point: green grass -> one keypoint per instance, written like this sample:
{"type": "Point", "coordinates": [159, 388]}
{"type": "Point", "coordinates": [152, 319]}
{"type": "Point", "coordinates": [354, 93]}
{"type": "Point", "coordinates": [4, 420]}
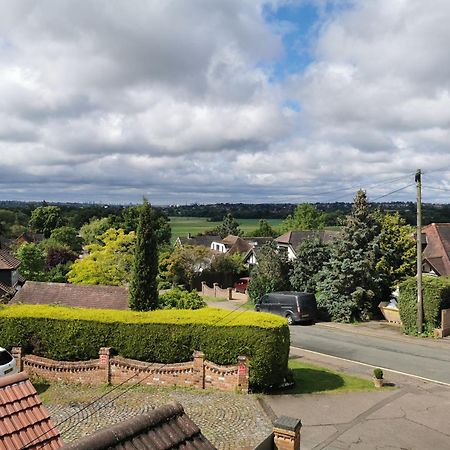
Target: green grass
{"type": "Point", "coordinates": [310, 378]}
{"type": "Point", "coordinates": [181, 226]}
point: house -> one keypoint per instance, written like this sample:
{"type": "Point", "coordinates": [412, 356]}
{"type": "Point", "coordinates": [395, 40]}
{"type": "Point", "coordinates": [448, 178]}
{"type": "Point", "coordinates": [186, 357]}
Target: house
{"type": "Point", "coordinates": [24, 421]}
{"type": "Point", "coordinates": [436, 255]}
{"type": "Point", "coordinates": [201, 240]}
{"type": "Point", "coordinates": [28, 237]}
{"type": "Point", "coordinates": [167, 427]}
{"type": "Point", "coordinates": [75, 295]}
{"type": "Point", "coordinates": [9, 275]}
{"type": "Point", "coordinates": [289, 242]}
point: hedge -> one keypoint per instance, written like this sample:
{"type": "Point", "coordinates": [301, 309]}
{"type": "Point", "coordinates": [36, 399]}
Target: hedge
{"type": "Point", "coordinates": [436, 296]}
{"type": "Point", "coordinates": [167, 336]}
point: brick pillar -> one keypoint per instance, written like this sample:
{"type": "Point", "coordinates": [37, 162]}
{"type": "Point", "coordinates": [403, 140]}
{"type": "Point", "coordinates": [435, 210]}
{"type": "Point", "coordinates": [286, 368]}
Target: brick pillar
{"type": "Point", "coordinates": [18, 353]}
{"type": "Point", "coordinates": [104, 355]}
{"type": "Point", "coordinates": [242, 376]}
{"type": "Point", "coordinates": [199, 370]}
{"type": "Point", "coordinates": [230, 293]}
{"type": "Point", "coordinates": [215, 286]}
{"type": "Point", "coordinates": [286, 433]}
{"type": "Point", "coordinates": [203, 287]}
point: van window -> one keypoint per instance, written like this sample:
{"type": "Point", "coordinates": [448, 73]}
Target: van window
{"type": "Point", "coordinates": [265, 299]}
{"type": "Point", "coordinates": [307, 300]}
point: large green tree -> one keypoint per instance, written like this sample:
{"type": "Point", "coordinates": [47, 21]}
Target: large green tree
{"type": "Point", "coordinates": [144, 285]}
{"type": "Point", "coordinates": [305, 217]}
{"type": "Point", "coordinates": [45, 219]}
{"type": "Point", "coordinates": [350, 281]}
{"type": "Point", "coordinates": [32, 261]}
{"type": "Point", "coordinates": [228, 226]}
{"type": "Point", "coordinates": [90, 232]}
{"type": "Point", "coordinates": [109, 262]}
{"type": "Point", "coordinates": [264, 230]}
{"type": "Point", "coordinates": [67, 237]}
{"type": "Point", "coordinates": [270, 274]}
{"type": "Point", "coordinates": [312, 254]}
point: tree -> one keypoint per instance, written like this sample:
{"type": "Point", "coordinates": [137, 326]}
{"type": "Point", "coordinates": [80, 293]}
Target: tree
{"type": "Point", "coordinates": [398, 251]}
{"type": "Point", "coordinates": [228, 226]}
{"type": "Point", "coordinates": [185, 262]}
{"type": "Point", "coordinates": [45, 219]}
{"type": "Point", "coordinates": [59, 255]}
{"type": "Point", "coordinates": [109, 262]}
{"type": "Point", "coordinates": [225, 263]}
{"type": "Point", "coordinates": [91, 232]}
{"type": "Point", "coordinates": [32, 261]}
{"type": "Point", "coordinates": [305, 217]}
{"type": "Point", "coordinates": [144, 286]}
{"type": "Point", "coordinates": [270, 274]}
{"type": "Point", "coordinates": [349, 281]}
{"type": "Point", "coordinates": [264, 230]}
{"type": "Point", "coordinates": [312, 254]}
{"type": "Point", "coordinates": [66, 236]}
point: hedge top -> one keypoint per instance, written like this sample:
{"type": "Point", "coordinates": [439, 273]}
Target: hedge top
{"type": "Point", "coordinates": [206, 316]}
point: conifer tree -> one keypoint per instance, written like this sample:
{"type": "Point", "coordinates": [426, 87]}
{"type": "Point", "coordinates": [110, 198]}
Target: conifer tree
{"type": "Point", "coordinates": [349, 281]}
{"type": "Point", "coordinates": [143, 286]}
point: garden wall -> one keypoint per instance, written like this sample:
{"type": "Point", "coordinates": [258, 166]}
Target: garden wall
{"type": "Point", "coordinates": [199, 373]}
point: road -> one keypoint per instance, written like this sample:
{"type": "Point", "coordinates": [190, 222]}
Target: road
{"type": "Point", "coordinates": [430, 361]}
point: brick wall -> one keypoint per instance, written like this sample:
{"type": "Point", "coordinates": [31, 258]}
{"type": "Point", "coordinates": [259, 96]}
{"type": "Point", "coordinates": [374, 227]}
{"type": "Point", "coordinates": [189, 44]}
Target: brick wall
{"type": "Point", "coordinates": [198, 373]}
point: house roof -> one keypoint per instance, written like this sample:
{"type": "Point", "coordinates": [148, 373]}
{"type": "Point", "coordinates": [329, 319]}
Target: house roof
{"type": "Point", "coordinates": [5, 289]}
{"type": "Point", "coordinates": [77, 295]}
{"type": "Point", "coordinates": [29, 236]}
{"type": "Point", "coordinates": [7, 261]}
{"type": "Point", "coordinates": [25, 422]}
{"type": "Point", "coordinates": [204, 240]}
{"type": "Point", "coordinates": [295, 238]}
{"type": "Point", "coordinates": [167, 427]}
{"type": "Point", "coordinates": [437, 251]}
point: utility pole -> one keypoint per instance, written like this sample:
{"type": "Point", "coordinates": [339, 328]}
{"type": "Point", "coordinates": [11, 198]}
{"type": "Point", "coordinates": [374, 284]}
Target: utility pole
{"type": "Point", "coordinates": [419, 251]}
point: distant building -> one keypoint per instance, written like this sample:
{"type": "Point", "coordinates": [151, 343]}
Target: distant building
{"type": "Point", "coordinates": [9, 273]}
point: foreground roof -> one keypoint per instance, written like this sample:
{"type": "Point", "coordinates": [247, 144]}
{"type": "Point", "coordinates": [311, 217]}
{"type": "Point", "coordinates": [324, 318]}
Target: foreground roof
{"type": "Point", "coordinates": [24, 421]}
{"type": "Point", "coordinates": [164, 428]}
{"type": "Point", "coordinates": [77, 295]}
{"type": "Point", "coordinates": [7, 261]}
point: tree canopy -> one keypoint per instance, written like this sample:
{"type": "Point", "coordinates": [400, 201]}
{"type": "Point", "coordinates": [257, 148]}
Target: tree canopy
{"type": "Point", "coordinates": [305, 217]}
{"type": "Point", "coordinates": [45, 219]}
{"type": "Point", "coordinates": [228, 226]}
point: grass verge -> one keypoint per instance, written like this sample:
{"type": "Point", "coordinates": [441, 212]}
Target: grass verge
{"type": "Point", "coordinates": [310, 379]}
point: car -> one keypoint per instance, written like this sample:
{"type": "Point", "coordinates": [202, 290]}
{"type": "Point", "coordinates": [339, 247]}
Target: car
{"type": "Point", "coordinates": [7, 363]}
{"type": "Point", "coordinates": [241, 285]}
{"type": "Point", "coordinates": [295, 306]}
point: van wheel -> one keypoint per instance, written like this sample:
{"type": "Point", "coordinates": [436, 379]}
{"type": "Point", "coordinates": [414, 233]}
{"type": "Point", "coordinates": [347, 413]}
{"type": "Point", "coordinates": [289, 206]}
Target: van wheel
{"type": "Point", "coordinates": [290, 320]}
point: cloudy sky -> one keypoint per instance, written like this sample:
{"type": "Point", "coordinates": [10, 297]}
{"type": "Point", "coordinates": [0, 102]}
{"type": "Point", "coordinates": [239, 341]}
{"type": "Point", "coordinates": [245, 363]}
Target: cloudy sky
{"type": "Point", "coordinates": [224, 100]}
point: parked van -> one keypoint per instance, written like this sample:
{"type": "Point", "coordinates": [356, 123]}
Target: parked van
{"type": "Point", "coordinates": [295, 306]}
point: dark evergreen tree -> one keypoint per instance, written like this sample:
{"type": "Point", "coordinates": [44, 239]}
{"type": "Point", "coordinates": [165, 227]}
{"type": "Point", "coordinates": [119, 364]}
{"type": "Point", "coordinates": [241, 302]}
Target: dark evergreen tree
{"type": "Point", "coordinates": [229, 226]}
{"type": "Point", "coordinates": [270, 274]}
{"type": "Point", "coordinates": [312, 254]}
{"type": "Point", "coordinates": [349, 281]}
{"type": "Point", "coordinates": [144, 286]}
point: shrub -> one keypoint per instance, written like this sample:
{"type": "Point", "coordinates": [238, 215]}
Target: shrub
{"type": "Point", "coordinates": [378, 373]}
{"type": "Point", "coordinates": [165, 336]}
{"type": "Point", "coordinates": [436, 296]}
{"type": "Point", "coordinates": [181, 299]}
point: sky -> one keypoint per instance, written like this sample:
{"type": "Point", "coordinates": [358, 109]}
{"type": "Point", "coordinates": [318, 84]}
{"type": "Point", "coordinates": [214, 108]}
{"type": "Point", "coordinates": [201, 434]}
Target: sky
{"type": "Point", "coordinates": [224, 100]}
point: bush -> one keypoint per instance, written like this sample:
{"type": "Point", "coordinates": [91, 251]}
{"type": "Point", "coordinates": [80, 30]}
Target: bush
{"type": "Point", "coordinates": [378, 374]}
{"type": "Point", "coordinates": [165, 336]}
{"type": "Point", "coordinates": [181, 299]}
{"type": "Point", "coordinates": [436, 296]}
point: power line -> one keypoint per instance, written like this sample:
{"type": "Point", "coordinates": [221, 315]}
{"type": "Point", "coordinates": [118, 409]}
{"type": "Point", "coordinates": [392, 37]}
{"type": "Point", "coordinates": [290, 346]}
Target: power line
{"type": "Point", "coordinates": [27, 445]}
{"type": "Point", "coordinates": [435, 188]}
{"type": "Point", "coordinates": [393, 192]}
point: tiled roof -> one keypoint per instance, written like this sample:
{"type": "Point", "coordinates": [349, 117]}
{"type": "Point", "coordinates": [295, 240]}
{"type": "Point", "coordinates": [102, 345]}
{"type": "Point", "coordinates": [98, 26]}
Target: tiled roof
{"type": "Point", "coordinates": [204, 241]}
{"type": "Point", "coordinates": [7, 261]}
{"type": "Point", "coordinates": [164, 428]}
{"type": "Point", "coordinates": [29, 236]}
{"type": "Point", "coordinates": [437, 251]}
{"type": "Point", "coordinates": [295, 238]}
{"type": "Point", "coordinates": [24, 421]}
{"type": "Point", "coordinates": [82, 296]}
{"type": "Point", "coordinates": [5, 289]}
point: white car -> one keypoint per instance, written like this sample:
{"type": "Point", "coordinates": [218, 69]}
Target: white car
{"type": "Point", "coordinates": [7, 363]}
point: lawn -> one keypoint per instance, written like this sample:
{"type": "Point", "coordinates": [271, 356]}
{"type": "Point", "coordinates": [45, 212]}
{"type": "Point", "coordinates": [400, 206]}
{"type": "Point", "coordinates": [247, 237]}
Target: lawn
{"type": "Point", "coordinates": [181, 226]}
{"type": "Point", "coordinates": [310, 379]}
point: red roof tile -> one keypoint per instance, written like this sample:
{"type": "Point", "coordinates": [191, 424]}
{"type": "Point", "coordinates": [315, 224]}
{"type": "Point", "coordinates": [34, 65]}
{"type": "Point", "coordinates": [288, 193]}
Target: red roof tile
{"type": "Point", "coordinates": [25, 422]}
{"type": "Point", "coordinates": [437, 251]}
{"type": "Point", "coordinates": [77, 295]}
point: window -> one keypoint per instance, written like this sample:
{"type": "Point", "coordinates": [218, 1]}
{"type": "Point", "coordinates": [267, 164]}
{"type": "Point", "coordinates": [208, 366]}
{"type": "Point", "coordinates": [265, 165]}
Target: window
{"type": "Point", "coordinates": [5, 357]}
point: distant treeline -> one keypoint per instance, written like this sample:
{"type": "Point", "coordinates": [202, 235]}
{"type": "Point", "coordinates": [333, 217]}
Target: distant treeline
{"type": "Point", "coordinates": [77, 214]}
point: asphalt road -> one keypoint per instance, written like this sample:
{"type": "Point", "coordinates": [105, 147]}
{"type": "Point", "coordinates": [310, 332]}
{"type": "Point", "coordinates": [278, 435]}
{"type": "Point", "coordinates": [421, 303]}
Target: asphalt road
{"type": "Point", "coordinates": [428, 361]}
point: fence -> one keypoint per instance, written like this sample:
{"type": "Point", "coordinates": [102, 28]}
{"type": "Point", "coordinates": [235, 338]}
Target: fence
{"type": "Point", "coordinates": [110, 369]}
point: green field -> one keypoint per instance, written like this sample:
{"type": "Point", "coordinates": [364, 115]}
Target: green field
{"type": "Point", "coordinates": [181, 226]}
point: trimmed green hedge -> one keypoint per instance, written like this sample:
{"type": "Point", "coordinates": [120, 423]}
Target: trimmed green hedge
{"type": "Point", "coordinates": [436, 296]}
{"type": "Point", "coordinates": [166, 336]}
